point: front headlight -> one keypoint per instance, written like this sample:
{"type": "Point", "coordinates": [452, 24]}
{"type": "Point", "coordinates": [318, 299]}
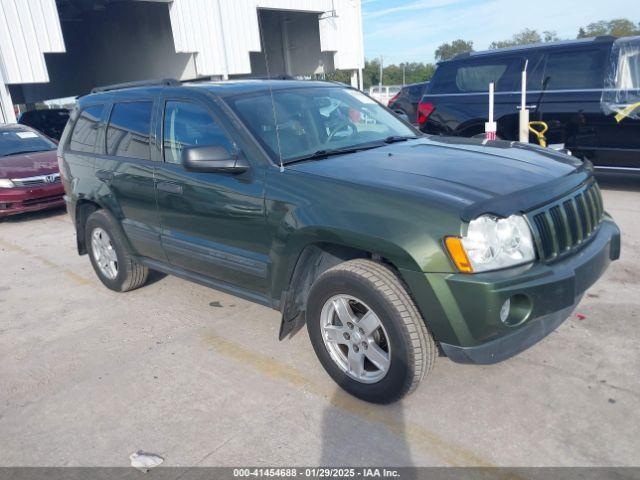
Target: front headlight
{"type": "Point", "coordinates": [493, 243]}
{"type": "Point", "coordinates": [6, 183]}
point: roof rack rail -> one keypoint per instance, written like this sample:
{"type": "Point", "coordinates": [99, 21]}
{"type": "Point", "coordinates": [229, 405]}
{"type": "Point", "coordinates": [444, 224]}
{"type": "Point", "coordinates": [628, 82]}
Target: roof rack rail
{"type": "Point", "coordinates": [167, 82]}
{"type": "Point", "coordinates": [272, 77]}
{"type": "Point", "coordinates": [604, 38]}
{"type": "Point", "coordinates": [462, 55]}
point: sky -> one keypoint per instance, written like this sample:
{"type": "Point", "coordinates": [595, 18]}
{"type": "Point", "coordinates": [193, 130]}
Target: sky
{"type": "Point", "coordinates": [411, 30]}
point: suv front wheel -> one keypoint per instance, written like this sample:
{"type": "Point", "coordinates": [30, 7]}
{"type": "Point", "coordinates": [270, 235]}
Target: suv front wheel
{"type": "Point", "coordinates": [367, 331]}
{"type": "Point", "coordinates": [113, 264]}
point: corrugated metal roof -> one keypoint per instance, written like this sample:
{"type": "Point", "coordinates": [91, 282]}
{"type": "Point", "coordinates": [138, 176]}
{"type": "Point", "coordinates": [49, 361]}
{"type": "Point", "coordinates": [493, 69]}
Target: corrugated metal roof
{"type": "Point", "coordinates": [223, 33]}
{"type": "Point", "coordinates": [28, 30]}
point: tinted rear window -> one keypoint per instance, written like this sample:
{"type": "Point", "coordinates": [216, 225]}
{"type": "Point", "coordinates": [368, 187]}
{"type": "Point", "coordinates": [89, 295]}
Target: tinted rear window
{"type": "Point", "coordinates": [577, 69]}
{"type": "Point", "coordinates": [474, 76]}
{"type": "Point", "coordinates": [128, 130]}
{"type": "Point", "coordinates": [85, 131]}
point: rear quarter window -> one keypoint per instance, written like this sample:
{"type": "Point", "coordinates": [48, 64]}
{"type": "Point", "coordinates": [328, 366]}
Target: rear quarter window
{"type": "Point", "coordinates": [575, 69]}
{"type": "Point", "coordinates": [85, 130]}
{"type": "Point", "coordinates": [474, 76]}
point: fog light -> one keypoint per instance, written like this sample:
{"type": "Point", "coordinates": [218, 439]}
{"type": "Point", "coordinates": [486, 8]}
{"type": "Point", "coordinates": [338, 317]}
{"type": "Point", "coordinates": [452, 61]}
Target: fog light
{"type": "Point", "coordinates": [504, 311]}
{"type": "Point", "coordinates": [516, 310]}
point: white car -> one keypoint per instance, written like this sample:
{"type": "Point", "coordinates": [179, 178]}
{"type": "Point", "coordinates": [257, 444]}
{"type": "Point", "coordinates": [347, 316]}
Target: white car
{"type": "Point", "coordinates": [385, 93]}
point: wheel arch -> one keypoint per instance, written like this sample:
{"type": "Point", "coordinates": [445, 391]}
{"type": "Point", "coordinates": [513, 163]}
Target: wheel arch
{"type": "Point", "coordinates": [314, 258]}
{"type": "Point", "coordinates": [83, 209]}
{"type": "Point", "coordinates": [471, 127]}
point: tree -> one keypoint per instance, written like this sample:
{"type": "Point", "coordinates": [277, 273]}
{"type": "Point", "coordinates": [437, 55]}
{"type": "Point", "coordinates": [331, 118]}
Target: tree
{"type": "Point", "coordinates": [343, 76]}
{"type": "Point", "coordinates": [526, 37]}
{"type": "Point", "coordinates": [450, 50]}
{"type": "Point", "coordinates": [619, 27]}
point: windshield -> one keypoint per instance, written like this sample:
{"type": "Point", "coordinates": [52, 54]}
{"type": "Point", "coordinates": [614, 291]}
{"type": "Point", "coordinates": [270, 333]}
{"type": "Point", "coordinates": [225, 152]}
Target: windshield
{"type": "Point", "coordinates": [21, 140]}
{"type": "Point", "coordinates": [316, 119]}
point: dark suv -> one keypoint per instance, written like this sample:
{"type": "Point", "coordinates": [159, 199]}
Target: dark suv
{"type": "Point", "coordinates": [50, 121]}
{"type": "Point", "coordinates": [405, 102]}
{"type": "Point", "coordinates": [313, 199]}
{"type": "Point", "coordinates": [586, 91]}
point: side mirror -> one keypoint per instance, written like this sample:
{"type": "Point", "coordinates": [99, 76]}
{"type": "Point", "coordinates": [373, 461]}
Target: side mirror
{"type": "Point", "coordinates": [213, 160]}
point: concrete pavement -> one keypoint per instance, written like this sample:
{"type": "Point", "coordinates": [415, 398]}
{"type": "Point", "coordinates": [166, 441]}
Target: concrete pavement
{"type": "Point", "coordinates": [88, 376]}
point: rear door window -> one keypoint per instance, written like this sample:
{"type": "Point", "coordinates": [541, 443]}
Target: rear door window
{"type": "Point", "coordinates": [85, 131]}
{"type": "Point", "coordinates": [128, 130]}
{"type": "Point", "coordinates": [188, 124]}
{"type": "Point", "coordinates": [575, 69]}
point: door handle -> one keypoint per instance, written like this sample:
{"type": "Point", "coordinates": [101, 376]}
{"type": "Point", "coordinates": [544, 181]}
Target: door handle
{"type": "Point", "coordinates": [104, 175]}
{"type": "Point", "coordinates": [170, 187]}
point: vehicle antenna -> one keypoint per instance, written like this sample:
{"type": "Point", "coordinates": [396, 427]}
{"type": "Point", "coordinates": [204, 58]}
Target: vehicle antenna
{"type": "Point", "coordinates": [273, 103]}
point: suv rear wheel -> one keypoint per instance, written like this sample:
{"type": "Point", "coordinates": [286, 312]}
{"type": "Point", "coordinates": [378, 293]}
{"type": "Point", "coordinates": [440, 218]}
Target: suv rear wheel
{"type": "Point", "coordinates": [367, 331]}
{"type": "Point", "coordinates": [113, 264]}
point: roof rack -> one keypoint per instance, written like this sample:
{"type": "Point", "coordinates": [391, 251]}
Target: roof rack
{"type": "Point", "coordinates": [167, 82]}
{"type": "Point", "coordinates": [271, 77]}
{"type": "Point", "coordinates": [605, 38]}
{"type": "Point", "coordinates": [461, 55]}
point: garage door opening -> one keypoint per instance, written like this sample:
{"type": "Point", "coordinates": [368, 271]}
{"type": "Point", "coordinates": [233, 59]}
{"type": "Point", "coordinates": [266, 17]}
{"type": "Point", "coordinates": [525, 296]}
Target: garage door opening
{"type": "Point", "coordinates": [291, 43]}
{"type": "Point", "coordinates": [109, 43]}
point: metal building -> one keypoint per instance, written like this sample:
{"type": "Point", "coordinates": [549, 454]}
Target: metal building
{"type": "Point", "coordinates": [59, 48]}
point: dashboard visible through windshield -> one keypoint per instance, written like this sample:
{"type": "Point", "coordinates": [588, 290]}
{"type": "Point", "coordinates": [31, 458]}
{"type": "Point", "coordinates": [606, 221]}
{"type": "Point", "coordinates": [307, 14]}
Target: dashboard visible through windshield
{"type": "Point", "coordinates": [302, 122]}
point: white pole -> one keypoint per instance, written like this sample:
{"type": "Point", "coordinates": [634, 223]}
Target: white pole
{"type": "Point", "coordinates": [524, 113]}
{"type": "Point", "coordinates": [7, 114]}
{"type": "Point", "coordinates": [491, 102]}
{"type": "Point", "coordinates": [380, 82]}
{"type": "Point", "coordinates": [490, 127]}
{"type": "Point", "coordinates": [523, 94]}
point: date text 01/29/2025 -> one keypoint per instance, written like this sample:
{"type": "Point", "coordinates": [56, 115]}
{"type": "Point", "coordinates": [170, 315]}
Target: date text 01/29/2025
{"type": "Point", "coordinates": [316, 472]}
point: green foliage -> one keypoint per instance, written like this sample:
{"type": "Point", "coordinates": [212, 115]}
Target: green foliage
{"type": "Point", "coordinates": [450, 50]}
{"type": "Point", "coordinates": [525, 37]}
{"type": "Point", "coordinates": [342, 76]}
{"type": "Point", "coordinates": [414, 72]}
{"type": "Point", "coordinates": [619, 27]}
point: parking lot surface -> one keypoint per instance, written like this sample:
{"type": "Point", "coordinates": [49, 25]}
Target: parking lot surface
{"type": "Point", "coordinates": [88, 376]}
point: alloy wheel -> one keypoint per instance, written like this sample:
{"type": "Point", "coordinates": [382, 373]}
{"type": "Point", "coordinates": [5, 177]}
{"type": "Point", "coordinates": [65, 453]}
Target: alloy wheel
{"type": "Point", "coordinates": [355, 338]}
{"type": "Point", "coordinates": [104, 254]}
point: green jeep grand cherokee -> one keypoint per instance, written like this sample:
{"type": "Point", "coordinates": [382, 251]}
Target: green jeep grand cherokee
{"type": "Point", "coordinates": [315, 200]}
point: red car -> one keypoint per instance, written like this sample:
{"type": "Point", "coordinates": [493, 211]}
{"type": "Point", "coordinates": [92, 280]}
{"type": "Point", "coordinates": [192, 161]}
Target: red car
{"type": "Point", "coordinates": [29, 175]}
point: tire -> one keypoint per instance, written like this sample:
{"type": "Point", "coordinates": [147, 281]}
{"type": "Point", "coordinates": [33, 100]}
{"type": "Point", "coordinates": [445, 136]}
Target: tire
{"type": "Point", "coordinates": [409, 347]}
{"type": "Point", "coordinates": [129, 274]}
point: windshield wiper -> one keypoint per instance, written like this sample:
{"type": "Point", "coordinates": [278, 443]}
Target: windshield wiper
{"type": "Point", "coordinates": [329, 152]}
{"type": "Point", "coordinates": [21, 152]}
{"type": "Point", "coordinates": [399, 138]}
{"type": "Point", "coordinates": [324, 153]}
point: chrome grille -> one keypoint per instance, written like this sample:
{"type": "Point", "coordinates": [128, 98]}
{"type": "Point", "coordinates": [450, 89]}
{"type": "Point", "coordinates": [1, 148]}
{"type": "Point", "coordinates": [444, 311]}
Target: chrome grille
{"type": "Point", "coordinates": [562, 226]}
{"type": "Point", "coordinates": [38, 180]}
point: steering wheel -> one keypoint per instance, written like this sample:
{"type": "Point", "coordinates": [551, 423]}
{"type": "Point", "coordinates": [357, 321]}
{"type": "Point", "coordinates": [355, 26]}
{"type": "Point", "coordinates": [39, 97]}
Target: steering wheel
{"type": "Point", "coordinates": [345, 125]}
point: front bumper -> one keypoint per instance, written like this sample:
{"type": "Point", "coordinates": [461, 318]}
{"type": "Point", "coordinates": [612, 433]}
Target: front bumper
{"type": "Point", "coordinates": [466, 320]}
{"type": "Point", "coordinates": [30, 199]}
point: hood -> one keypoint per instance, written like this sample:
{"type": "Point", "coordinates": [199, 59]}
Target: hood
{"type": "Point", "coordinates": [466, 171]}
{"type": "Point", "coordinates": [29, 164]}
